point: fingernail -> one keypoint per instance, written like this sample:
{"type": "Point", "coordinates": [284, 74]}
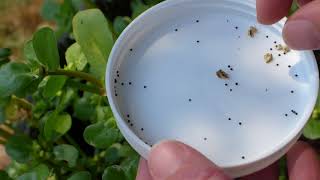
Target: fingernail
{"type": "Point", "coordinates": [166, 158]}
{"type": "Point", "coordinates": [301, 35]}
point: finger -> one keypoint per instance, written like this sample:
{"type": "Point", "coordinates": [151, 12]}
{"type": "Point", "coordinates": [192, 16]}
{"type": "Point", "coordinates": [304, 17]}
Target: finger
{"type": "Point", "coordinates": [303, 163]}
{"type": "Point", "coordinates": [143, 171]}
{"type": "Point", "coordinates": [302, 31]}
{"type": "Point", "coordinates": [271, 11]}
{"type": "Point", "coordinates": [269, 173]}
{"type": "Point", "coordinates": [303, 2]}
{"type": "Point", "coordinates": [172, 160]}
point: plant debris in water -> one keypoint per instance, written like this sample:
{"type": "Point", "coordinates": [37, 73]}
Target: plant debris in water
{"type": "Point", "coordinates": [222, 75]}
{"type": "Point", "coordinates": [252, 31]}
{"type": "Point", "coordinates": [268, 58]}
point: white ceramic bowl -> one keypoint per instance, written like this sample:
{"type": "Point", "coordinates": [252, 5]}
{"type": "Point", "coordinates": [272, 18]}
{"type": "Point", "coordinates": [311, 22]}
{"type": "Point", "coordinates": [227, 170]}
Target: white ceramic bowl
{"type": "Point", "coordinates": [162, 84]}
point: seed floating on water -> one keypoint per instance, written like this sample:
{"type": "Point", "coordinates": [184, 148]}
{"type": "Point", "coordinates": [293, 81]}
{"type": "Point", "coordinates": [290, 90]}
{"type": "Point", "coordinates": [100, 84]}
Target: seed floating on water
{"type": "Point", "coordinates": [252, 31]}
{"type": "Point", "coordinates": [279, 47]}
{"type": "Point", "coordinates": [222, 75]}
{"type": "Point", "coordinates": [268, 58]}
{"type": "Point", "coordinates": [286, 49]}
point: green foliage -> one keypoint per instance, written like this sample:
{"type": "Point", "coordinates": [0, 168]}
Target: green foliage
{"type": "Point", "coordinates": [294, 7]}
{"type": "Point", "coordinates": [67, 153]}
{"type": "Point", "coordinates": [46, 50]}
{"type": "Point", "coordinates": [138, 7]}
{"type": "Point", "coordinates": [75, 57]}
{"type": "Point", "coordinates": [95, 46]}
{"type": "Point", "coordinates": [114, 172]}
{"type": "Point", "coordinates": [19, 148]}
{"type": "Point", "coordinates": [4, 55]}
{"type": "Point", "coordinates": [4, 175]}
{"type": "Point", "coordinates": [15, 79]}
{"type": "Point", "coordinates": [39, 172]}
{"type": "Point", "coordinates": [56, 125]}
{"type": "Point", "coordinates": [120, 23]}
{"type": "Point", "coordinates": [83, 175]}
{"type": "Point", "coordinates": [102, 134]}
{"type": "Point", "coordinates": [312, 129]}
{"type": "Point", "coordinates": [53, 85]}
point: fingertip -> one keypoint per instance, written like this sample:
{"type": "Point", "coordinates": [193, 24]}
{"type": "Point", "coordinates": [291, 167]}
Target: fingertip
{"type": "Point", "coordinates": [303, 162]}
{"type": "Point", "coordinates": [143, 171]}
{"type": "Point", "coordinates": [271, 11]}
{"type": "Point", "coordinates": [175, 160]}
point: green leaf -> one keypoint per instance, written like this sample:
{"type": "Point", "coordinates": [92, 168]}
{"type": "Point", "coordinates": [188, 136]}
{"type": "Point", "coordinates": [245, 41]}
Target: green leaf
{"type": "Point", "coordinates": [113, 172]}
{"type": "Point", "coordinates": [14, 79]}
{"type": "Point", "coordinates": [45, 46]}
{"type": "Point", "coordinates": [19, 148]}
{"type": "Point", "coordinates": [40, 172]}
{"type": "Point", "coordinates": [56, 125]}
{"type": "Point", "coordinates": [102, 135]}
{"type": "Point", "coordinates": [66, 153]}
{"type": "Point", "coordinates": [83, 109]}
{"type": "Point", "coordinates": [53, 85]}
{"type": "Point", "coordinates": [120, 23]}
{"type": "Point", "coordinates": [5, 53]}
{"type": "Point", "coordinates": [30, 55]}
{"type": "Point", "coordinates": [66, 99]}
{"type": "Point", "coordinates": [3, 105]}
{"type": "Point", "coordinates": [92, 33]}
{"type": "Point", "coordinates": [130, 167]}
{"type": "Point", "coordinates": [50, 9]}
{"type": "Point", "coordinates": [312, 129]}
{"type": "Point", "coordinates": [82, 175]}
{"type": "Point", "coordinates": [138, 7]}
{"type": "Point", "coordinates": [75, 57]}
{"type": "Point", "coordinates": [4, 175]}
{"type": "Point", "coordinates": [294, 7]}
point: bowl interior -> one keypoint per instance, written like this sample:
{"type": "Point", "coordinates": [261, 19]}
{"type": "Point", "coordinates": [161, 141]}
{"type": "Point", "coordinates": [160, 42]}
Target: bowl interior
{"type": "Point", "coordinates": [163, 81]}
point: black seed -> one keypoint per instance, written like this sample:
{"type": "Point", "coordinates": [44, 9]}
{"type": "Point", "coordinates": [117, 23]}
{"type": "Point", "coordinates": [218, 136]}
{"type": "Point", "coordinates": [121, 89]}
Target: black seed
{"type": "Point", "coordinates": [270, 49]}
{"type": "Point", "coordinates": [117, 72]}
{"type": "Point", "coordinates": [115, 81]}
{"type": "Point", "coordinates": [240, 123]}
{"type": "Point", "coordinates": [226, 84]}
{"type": "Point", "coordinates": [289, 66]}
{"type": "Point", "coordinates": [239, 37]}
{"type": "Point", "coordinates": [116, 94]}
{"type": "Point", "coordinates": [266, 90]}
{"type": "Point", "coordinates": [145, 87]}
{"type": "Point", "coordinates": [198, 41]}
{"type": "Point", "coordinates": [131, 49]}
{"type": "Point", "coordinates": [229, 66]}
{"type": "Point", "coordinates": [142, 129]}
{"type": "Point", "coordinates": [294, 112]}
{"type": "Point", "coordinates": [277, 64]}
{"type": "Point", "coordinates": [128, 115]}
{"type": "Point", "coordinates": [286, 115]}
{"type": "Point", "coordinates": [236, 27]}
{"type": "Point", "coordinates": [176, 30]}
{"type": "Point", "coordinates": [296, 75]}
{"type": "Point", "coordinates": [131, 124]}
{"type": "Point", "coordinates": [275, 42]}
{"type": "Point", "coordinates": [118, 75]}
{"type": "Point", "coordinates": [122, 84]}
{"type": "Point", "coordinates": [279, 54]}
{"type": "Point", "coordinates": [292, 92]}
{"type": "Point", "coordinates": [205, 139]}
{"type": "Point", "coordinates": [129, 121]}
{"type": "Point", "coordinates": [231, 69]}
{"type": "Point", "coordinates": [227, 20]}
{"type": "Point", "coordinates": [190, 100]}
{"type": "Point", "coordinates": [284, 53]}
{"type": "Point", "coordinates": [243, 157]}
{"type": "Point", "coordinates": [130, 83]}
{"type": "Point", "coordinates": [197, 21]}
{"type": "Point", "coordinates": [230, 90]}
{"type": "Point", "coordinates": [229, 119]}
{"type": "Point", "coordinates": [267, 36]}
{"type": "Point", "coordinates": [237, 84]}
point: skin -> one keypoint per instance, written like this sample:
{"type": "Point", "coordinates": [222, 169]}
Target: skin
{"type": "Point", "coordinates": [172, 160]}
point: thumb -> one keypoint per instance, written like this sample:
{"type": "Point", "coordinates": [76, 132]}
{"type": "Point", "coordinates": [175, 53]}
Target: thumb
{"type": "Point", "coordinates": [302, 31]}
{"type": "Point", "coordinates": [172, 160]}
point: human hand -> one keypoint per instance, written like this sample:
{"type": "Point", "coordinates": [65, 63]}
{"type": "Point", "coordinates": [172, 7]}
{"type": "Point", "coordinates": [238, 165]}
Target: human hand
{"type": "Point", "coordinates": [302, 30]}
{"type": "Point", "coordinates": [172, 160]}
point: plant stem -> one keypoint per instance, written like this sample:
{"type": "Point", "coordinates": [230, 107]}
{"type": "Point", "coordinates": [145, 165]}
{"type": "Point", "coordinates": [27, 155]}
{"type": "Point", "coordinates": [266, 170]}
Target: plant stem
{"type": "Point", "coordinates": [74, 143]}
{"type": "Point", "coordinates": [77, 74]}
{"type": "Point", "coordinates": [22, 102]}
{"type": "Point", "coordinates": [85, 87]}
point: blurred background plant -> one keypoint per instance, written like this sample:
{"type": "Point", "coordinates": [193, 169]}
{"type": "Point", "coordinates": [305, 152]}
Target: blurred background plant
{"type": "Point", "coordinates": [55, 121]}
